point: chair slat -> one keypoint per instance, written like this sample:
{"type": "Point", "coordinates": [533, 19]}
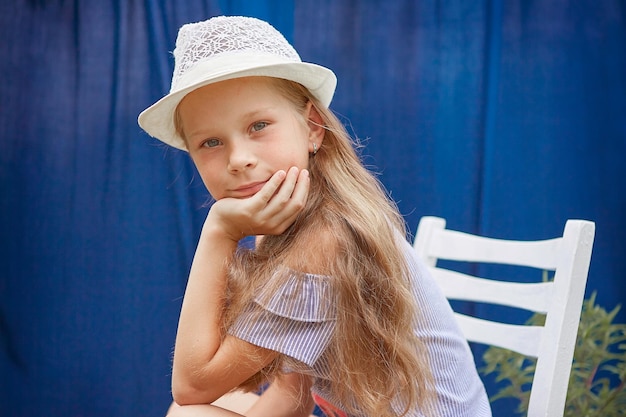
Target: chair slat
{"type": "Point", "coordinates": [529, 296]}
{"type": "Point", "coordinates": [454, 245]}
{"type": "Point", "coordinates": [518, 338]}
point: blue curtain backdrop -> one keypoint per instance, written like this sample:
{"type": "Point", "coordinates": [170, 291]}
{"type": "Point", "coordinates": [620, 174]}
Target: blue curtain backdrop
{"type": "Point", "coordinates": [507, 118]}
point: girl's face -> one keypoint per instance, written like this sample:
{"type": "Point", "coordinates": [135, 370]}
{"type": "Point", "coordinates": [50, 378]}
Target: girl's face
{"type": "Point", "coordinates": [240, 132]}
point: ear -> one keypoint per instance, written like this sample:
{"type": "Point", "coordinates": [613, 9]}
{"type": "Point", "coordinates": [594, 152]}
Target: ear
{"type": "Point", "coordinates": [316, 125]}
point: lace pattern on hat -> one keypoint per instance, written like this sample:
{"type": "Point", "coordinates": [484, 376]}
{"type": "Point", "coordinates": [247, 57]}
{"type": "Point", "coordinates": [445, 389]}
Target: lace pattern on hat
{"type": "Point", "coordinates": [227, 35]}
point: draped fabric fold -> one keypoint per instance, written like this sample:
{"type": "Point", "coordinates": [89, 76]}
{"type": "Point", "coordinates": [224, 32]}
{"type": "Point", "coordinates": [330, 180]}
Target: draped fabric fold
{"type": "Point", "coordinates": [507, 118]}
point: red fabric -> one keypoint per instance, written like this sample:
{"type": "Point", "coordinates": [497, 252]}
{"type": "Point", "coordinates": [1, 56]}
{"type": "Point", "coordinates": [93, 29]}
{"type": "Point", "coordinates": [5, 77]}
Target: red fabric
{"type": "Point", "coordinates": [328, 409]}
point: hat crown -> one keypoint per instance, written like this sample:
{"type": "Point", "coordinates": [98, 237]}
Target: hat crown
{"type": "Point", "coordinates": [226, 35]}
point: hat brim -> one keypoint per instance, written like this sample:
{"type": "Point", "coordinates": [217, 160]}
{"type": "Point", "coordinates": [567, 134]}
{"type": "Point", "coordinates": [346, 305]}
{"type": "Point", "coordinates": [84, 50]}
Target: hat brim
{"type": "Point", "coordinates": [158, 119]}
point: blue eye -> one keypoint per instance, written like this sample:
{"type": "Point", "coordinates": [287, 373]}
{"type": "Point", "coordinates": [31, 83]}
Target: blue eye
{"type": "Point", "coordinates": [259, 126]}
{"type": "Point", "coordinates": [211, 143]}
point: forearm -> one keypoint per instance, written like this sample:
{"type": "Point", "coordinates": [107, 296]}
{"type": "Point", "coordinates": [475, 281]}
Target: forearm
{"type": "Point", "coordinates": [199, 329]}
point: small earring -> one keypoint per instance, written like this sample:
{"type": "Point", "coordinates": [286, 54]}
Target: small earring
{"type": "Point", "coordinates": [314, 148]}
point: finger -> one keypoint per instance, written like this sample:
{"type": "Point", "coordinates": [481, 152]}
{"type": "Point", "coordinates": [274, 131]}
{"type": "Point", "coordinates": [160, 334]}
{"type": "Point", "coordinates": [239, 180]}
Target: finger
{"type": "Point", "coordinates": [288, 185]}
{"type": "Point", "coordinates": [282, 197]}
{"type": "Point", "coordinates": [267, 192]}
{"type": "Point", "coordinates": [284, 208]}
{"type": "Point", "coordinates": [301, 190]}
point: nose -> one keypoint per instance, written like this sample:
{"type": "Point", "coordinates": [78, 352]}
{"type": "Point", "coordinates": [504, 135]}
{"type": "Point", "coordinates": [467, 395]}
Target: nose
{"type": "Point", "coordinates": [241, 156]}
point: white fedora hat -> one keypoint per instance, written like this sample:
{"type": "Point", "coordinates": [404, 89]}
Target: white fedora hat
{"type": "Point", "coordinates": [227, 47]}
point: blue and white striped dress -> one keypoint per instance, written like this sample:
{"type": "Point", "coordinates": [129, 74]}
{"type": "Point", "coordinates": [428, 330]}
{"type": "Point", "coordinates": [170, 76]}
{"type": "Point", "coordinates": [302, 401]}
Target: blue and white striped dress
{"type": "Point", "coordinates": [299, 321]}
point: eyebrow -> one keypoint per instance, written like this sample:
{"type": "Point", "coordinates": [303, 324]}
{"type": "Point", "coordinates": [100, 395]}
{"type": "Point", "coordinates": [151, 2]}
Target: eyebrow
{"type": "Point", "coordinates": [254, 113]}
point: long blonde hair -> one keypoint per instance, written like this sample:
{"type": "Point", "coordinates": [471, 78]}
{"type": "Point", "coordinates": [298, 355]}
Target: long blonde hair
{"type": "Point", "coordinates": [349, 230]}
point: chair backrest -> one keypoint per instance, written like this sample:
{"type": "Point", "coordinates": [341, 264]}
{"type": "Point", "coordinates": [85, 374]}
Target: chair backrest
{"type": "Point", "coordinates": [560, 299]}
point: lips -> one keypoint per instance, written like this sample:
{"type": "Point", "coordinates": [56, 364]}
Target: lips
{"type": "Point", "coordinates": [248, 190]}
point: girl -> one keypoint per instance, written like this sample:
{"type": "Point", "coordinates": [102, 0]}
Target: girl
{"type": "Point", "coordinates": [332, 305]}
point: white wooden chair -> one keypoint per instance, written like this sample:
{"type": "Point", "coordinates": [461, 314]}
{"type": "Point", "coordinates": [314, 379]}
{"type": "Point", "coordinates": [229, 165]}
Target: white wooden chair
{"type": "Point", "coordinates": [561, 299]}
